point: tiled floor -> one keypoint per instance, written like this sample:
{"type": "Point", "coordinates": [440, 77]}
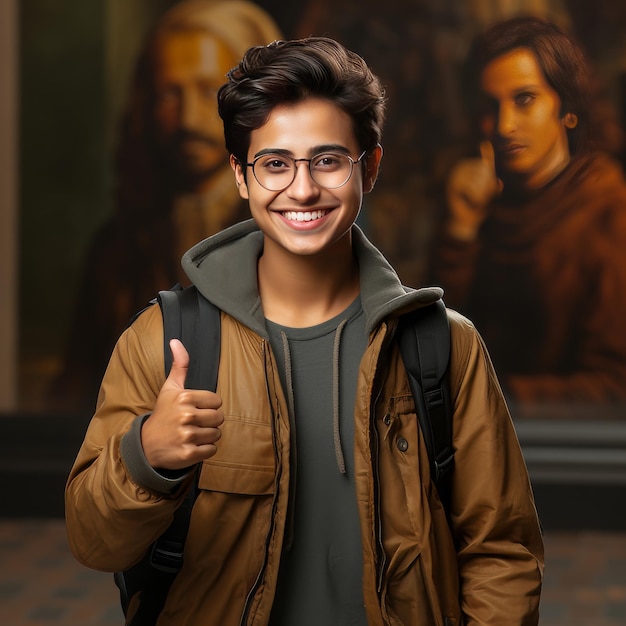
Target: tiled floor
{"type": "Point", "coordinates": [41, 584]}
{"type": "Point", "coordinates": [585, 580]}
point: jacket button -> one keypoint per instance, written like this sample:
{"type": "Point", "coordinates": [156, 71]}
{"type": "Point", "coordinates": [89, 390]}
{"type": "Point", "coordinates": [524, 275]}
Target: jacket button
{"type": "Point", "coordinates": [403, 444]}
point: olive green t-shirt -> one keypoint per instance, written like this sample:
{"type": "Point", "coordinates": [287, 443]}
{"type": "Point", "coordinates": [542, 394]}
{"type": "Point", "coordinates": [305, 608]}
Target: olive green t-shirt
{"type": "Point", "coordinates": [320, 579]}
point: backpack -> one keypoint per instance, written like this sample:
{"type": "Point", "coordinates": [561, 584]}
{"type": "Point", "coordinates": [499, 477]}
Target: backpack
{"type": "Point", "coordinates": [424, 340]}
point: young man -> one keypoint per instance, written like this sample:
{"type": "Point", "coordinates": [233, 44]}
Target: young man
{"type": "Point", "coordinates": [316, 504]}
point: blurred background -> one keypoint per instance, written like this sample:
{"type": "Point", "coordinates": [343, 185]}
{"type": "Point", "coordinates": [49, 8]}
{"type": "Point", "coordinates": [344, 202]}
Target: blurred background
{"type": "Point", "coordinates": [66, 74]}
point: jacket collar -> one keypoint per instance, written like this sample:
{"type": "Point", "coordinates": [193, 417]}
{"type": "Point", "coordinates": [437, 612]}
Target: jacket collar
{"type": "Point", "coordinates": [224, 269]}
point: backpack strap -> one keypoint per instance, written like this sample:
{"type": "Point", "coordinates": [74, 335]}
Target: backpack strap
{"type": "Point", "coordinates": [424, 340]}
{"type": "Point", "coordinates": [190, 317]}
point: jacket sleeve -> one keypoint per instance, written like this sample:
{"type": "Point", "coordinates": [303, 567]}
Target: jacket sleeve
{"type": "Point", "coordinates": [493, 515]}
{"type": "Point", "coordinates": [116, 505]}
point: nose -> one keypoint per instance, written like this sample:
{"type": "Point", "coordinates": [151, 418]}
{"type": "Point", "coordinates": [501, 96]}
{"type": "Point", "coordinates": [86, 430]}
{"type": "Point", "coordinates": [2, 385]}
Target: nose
{"type": "Point", "coordinates": [303, 187]}
{"type": "Point", "coordinates": [506, 122]}
{"type": "Point", "coordinates": [189, 109]}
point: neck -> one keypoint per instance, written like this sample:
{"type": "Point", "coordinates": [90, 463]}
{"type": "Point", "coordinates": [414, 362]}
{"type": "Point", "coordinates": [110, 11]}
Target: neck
{"type": "Point", "coordinates": [545, 176]}
{"type": "Point", "coordinates": [301, 291]}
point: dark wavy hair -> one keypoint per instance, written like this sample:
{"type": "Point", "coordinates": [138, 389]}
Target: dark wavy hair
{"type": "Point", "coordinates": [290, 71]}
{"type": "Point", "coordinates": [561, 60]}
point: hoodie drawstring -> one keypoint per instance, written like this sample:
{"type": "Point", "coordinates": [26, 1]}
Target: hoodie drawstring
{"type": "Point", "coordinates": [289, 532]}
{"type": "Point", "coordinates": [341, 463]}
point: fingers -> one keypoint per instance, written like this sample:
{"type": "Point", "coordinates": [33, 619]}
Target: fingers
{"type": "Point", "coordinates": [204, 436]}
{"type": "Point", "coordinates": [210, 417]}
{"type": "Point", "coordinates": [201, 399]}
{"type": "Point", "coordinates": [181, 434]}
{"type": "Point", "coordinates": [470, 186]}
{"type": "Point", "coordinates": [197, 440]}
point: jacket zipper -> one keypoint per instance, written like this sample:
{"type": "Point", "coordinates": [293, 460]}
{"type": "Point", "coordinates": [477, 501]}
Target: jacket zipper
{"type": "Point", "coordinates": [382, 559]}
{"type": "Point", "coordinates": [270, 532]}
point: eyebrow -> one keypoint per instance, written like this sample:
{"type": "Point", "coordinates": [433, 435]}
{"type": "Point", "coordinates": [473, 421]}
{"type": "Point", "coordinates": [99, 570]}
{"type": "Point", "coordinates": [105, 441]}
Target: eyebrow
{"type": "Point", "coordinates": [529, 87]}
{"type": "Point", "coordinates": [516, 91]}
{"type": "Point", "coordinates": [329, 147]}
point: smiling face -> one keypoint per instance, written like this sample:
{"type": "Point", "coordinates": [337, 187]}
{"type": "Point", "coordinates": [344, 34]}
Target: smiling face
{"type": "Point", "coordinates": [306, 218]}
{"type": "Point", "coordinates": [522, 118]}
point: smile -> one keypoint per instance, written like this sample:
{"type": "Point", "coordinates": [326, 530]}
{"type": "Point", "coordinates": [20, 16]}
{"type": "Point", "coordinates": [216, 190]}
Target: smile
{"type": "Point", "coordinates": [304, 216]}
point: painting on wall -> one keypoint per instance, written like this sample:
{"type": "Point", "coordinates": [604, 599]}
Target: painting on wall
{"type": "Point", "coordinates": [73, 122]}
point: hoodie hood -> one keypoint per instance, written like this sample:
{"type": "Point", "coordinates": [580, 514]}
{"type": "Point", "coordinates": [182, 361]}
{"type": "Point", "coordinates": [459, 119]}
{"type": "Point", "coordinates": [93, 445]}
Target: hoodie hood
{"type": "Point", "coordinates": [224, 269]}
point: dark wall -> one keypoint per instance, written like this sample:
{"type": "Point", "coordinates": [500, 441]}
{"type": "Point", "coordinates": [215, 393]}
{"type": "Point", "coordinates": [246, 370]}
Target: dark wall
{"type": "Point", "coordinates": [64, 190]}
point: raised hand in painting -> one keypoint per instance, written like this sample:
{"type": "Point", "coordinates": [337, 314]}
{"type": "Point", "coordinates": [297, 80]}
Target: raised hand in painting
{"type": "Point", "coordinates": [471, 186]}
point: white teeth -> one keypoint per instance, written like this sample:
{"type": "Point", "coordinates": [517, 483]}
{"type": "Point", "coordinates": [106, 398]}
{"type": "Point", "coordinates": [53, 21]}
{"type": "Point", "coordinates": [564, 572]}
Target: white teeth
{"type": "Point", "coordinates": [304, 216]}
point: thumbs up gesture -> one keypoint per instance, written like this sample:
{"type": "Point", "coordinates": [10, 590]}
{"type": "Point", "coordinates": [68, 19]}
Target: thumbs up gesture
{"type": "Point", "coordinates": [184, 426]}
{"type": "Point", "coordinates": [472, 185]}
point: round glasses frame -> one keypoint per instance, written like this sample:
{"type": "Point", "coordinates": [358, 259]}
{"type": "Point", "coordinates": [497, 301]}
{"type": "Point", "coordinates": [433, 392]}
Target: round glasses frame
{"type": "Point", "coordinates": [312, 172]}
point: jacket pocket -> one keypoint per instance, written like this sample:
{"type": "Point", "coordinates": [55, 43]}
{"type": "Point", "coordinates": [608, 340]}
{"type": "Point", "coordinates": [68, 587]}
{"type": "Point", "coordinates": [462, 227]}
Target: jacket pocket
{"type": "Point", "coordinates": [244, 462]}
{"type": "Point", "coordinates": [243, 479]}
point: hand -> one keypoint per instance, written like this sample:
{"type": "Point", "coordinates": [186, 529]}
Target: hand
{"type": "Point", "coordinates": [472, 185]}
{"type": "Point", "coordinates": [184, 427]}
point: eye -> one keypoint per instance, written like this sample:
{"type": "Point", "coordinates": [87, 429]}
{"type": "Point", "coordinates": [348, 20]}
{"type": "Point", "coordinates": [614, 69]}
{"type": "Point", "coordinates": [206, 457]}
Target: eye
{"type": "Point", "coordinates": [328, 161]}
{"type": "Point", "coordinates": [524, 99]}
{"type": "Point", "coordinates": [274, 163]}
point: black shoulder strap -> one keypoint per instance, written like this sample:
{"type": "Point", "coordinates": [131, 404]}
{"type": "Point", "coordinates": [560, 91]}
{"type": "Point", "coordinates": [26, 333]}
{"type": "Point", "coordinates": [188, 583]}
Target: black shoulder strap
{"type": "Point", "coordinates": [190, 317]}
{"type": "Point", "coordinates": [424, 339]}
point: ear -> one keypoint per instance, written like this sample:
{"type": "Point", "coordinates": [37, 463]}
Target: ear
{"type": "Point", "coordinates": [372, 164]}
{"type": "Point", "coordinates": [240, 180]}
{"type": "Point", "coordinates": [570, 120]}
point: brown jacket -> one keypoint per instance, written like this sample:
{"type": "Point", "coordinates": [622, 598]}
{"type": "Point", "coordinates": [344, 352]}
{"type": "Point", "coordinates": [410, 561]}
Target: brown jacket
{"type": "Point", "coordinates": [416, 572]}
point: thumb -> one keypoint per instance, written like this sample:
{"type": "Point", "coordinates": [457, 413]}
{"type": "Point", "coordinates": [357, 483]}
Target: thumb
{"type": "Point", "coordinates": [180, 363]}
{"type": "Point", "coordinates": [488, 155]}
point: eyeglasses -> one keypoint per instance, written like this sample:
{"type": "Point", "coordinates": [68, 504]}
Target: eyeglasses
{"type": "Point", "coordinates": [275, 172]}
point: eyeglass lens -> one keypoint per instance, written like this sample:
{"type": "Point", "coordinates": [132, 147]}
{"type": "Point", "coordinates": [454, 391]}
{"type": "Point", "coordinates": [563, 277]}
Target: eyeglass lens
{"type": "Point", "coordinates": [276, 172]}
